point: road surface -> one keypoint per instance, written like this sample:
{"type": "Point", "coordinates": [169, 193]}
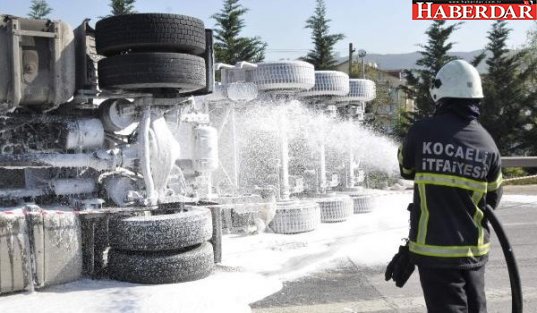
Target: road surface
{"type": "Point", "coordinates": [353, 288]}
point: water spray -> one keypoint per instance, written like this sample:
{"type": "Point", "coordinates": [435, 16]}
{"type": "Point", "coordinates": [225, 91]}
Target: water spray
{"type": "Point", "coordinates": [284, 165]}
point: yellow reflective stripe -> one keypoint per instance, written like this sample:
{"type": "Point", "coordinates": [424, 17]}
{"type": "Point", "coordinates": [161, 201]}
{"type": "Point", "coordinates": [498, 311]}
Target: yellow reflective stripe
{"type": "Point", "coordinates": [492, 186]}
{"type": "Point", "coordinates": [451, 181]}
{"type": "Point", "coordinates": [406, 171]}
{"type": "Point", "coordinates": [424, 215]}
{"type": "Point", "coordinates": [449, 251]}
{"type": "Point", "coordinates": [478, 217]}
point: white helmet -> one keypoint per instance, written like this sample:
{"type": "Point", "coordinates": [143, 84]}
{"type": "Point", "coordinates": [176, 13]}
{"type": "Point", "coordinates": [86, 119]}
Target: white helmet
{"type": "Point", "coordinates": [457, 79]}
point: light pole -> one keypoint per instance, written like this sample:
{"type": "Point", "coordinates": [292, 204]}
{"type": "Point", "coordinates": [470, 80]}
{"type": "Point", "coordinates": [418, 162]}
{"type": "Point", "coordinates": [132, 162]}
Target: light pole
{"type": "Point", "coordinates": [351, 51]}
{"type": "Point", "coordinates": [361, 54]}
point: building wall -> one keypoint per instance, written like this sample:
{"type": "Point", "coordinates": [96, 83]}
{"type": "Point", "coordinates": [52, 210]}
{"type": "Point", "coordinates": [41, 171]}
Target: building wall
{"type": "Point", "coordinates": [386, 115]}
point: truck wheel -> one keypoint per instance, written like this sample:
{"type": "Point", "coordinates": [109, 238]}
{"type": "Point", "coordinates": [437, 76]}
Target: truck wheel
{"type": "Point", "coordinates": [112, 119]}
{"type": "Point", "coordinates": [150, 32]}
{"type": "Point", "coordinates": [296, 217]}
{"type": "Point", "coordinates": [284, 76]}
{"type": "Point", "coordinates": [161, 267]}
{"type": "Point", "coordinates": [161, 232]}
{"type": "Point", "coordinates": [153, 71]}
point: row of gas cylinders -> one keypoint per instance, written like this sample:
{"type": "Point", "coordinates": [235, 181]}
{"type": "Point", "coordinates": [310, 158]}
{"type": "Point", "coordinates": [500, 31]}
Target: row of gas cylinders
{"type": "Point", "coordinates": [292, 77]}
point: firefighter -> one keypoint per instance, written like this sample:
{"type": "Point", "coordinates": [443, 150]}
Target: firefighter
{"type": "Point", "coordinates": [456, 169]}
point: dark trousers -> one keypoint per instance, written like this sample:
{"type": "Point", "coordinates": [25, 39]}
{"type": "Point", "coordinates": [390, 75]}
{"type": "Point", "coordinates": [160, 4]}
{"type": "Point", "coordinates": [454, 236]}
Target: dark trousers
{"type": "Point", "coordinates": [454, 291]}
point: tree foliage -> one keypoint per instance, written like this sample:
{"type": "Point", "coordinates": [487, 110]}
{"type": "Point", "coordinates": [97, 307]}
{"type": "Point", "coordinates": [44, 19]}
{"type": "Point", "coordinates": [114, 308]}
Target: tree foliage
{"type": "Point", "coordinates": [379, 107]}
{"type": "Point", "coordinates": [530, 56]}
{"type": "Point", "coordinates": [120, 7]}
{"type": "Point", "coordinates": [322, 54]}
{"type": "Point", "coordinates": [508, 108]}
{"type": "Point", "coordinates": [433, 56]}
{"type": "Point", "coordinates": [230, 47]}
{"type": "Point", "coordinates": [39, 9]}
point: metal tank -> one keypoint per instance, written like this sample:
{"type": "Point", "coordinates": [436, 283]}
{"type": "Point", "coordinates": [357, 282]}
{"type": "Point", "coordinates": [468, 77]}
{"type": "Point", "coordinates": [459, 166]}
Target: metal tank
{"type": "Point", "coordinates": [37, 63]}
{"type": "Point", "coordinates": [205, 149]}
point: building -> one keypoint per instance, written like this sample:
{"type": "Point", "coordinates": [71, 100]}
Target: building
{"type": "Point", "coordinates": [391, 101]}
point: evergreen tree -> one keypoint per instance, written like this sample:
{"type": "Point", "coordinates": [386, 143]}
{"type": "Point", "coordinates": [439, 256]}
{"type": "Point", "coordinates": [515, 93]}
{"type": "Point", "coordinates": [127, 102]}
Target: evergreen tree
{"type": "Point", "coordinates": [120, 7]}
{"type": "Point", "coordinates": [322, 54]}
{"type": "Point", "coordinates": [531, 54]}
{"type": "Point", "coordinates": [532, 41]}
{"type": "Point", "coordinates": [39, 9]}
{"type": "Point", "coordinates": [378, 107]}
{"type": "Point", "coordinates": [530, 59]}
{"type": "Point", "coordinates": [433, 57]}
{"type": "Point", "coordinates": [229, 46]}
{"type": "Point", "coordinates": [509, 105]}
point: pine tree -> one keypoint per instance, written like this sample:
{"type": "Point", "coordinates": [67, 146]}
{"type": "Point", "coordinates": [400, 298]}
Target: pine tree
{"type": "Point", "coordinates": [530, 61]}
{"type": "Point", "coordinates": [382, 100]}
{"type": "Point", "coordinates": [229, 46]}
{"type": "Point", "coordinates": [379, 106]}
{"type": "Point", "coordinates": [39, 9]}
{"type": "Point", "coordinates": [531, 54]}
{"type": "Point", "coordinates": [433, 57]}
{"type": "Point", "coordinates": [322, 54]}
{"type": "Point", "coordinates": [120, 7]}
{"type": "Point", "coordinates": [509, 105]}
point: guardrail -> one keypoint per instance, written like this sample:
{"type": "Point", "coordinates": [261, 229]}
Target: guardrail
{"type": "Point", "coordinates": [519, 161]}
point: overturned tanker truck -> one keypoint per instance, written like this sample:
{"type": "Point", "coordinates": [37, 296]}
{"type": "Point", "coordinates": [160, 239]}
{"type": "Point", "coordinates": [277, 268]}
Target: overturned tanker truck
{"type": "Point", "coordinates": [104, 151]}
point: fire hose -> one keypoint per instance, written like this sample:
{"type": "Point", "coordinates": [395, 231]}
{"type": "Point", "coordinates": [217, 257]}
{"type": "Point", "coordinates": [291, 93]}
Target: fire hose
{"type": "Point", "coordinates": [512, 268]}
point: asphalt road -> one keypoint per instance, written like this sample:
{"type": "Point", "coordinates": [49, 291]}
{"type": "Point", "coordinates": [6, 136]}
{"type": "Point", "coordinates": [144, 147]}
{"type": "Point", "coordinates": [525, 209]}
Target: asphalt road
{"type": "Point", "coordinates": [351, 288]}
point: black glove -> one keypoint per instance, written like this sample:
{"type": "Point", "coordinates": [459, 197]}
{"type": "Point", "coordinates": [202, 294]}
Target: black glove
{"type": "Point", "coordinates": [400, 268]}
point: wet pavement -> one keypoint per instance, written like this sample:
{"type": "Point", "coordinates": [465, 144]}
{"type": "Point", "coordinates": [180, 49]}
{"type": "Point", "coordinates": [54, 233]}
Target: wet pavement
{"type": "Point", "coordinates": [349, 287]}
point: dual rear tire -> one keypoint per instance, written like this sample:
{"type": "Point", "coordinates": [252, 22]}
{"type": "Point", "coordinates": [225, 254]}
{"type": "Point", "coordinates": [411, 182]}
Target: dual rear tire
{"type": "Point", "coordinates": [161, 267]}
{"type": "Point", "coordinates": [149, 71]}
{"type": "Point", "coordinates": [150, 52]}
{"type": "Point", "coordinates": [160, 249]}
{"type": "Point", "coordinates": [148, 32]}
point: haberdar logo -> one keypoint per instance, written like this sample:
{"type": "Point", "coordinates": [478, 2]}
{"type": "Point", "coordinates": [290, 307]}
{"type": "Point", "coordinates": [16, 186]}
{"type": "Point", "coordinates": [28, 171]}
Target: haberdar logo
{"type": "Point", "coordinates": [474, 10]}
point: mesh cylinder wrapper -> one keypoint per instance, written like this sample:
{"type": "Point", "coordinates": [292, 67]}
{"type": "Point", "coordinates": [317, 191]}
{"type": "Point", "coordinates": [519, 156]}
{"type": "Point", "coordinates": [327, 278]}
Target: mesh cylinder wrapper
{"type": "Point", "coordinates": [296, 217]}
{"type": "Point", "coordinates": [360, 90]}
{"type": "Point", "coordinates": [335, 209]}
{"type": "Point", "coordinates": [288, 76]}
{"type": "Point", "coordinates": [363, 203]}
{"type": "Point", "coordinates": [329, 83]}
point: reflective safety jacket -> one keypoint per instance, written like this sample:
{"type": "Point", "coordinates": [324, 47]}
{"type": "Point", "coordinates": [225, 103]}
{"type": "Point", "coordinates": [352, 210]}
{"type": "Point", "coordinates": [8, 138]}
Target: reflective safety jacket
{"type": "Point", "coordinates": [455, 165]}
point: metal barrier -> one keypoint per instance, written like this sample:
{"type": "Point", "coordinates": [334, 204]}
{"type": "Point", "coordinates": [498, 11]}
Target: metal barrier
{"type": "Point", "coordinates": [519, 161]}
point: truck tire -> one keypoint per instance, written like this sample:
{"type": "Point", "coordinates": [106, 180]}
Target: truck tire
{"type": "Point", "coordinates": [153, 71]}
{"type": "Point", "coordinates": [161, 232]}
{"type": "Point", "coordinates": [296, 217]}
{"type": "Point", "coordinates": [150, 32]}
{"type": "Point", "coordinates": [161, 267]}
{"type": "Point", "coordinates": [284, 76]}
{"type": "Point", "coordinates": [329, 83]}
{"type": "Point", "coordinates": [335, 209]}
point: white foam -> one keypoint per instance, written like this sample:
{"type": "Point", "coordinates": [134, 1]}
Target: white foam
{"type": "Point", "coordinates": [368, 239]}
{"type": "Point", "coordinates": [221, 292]}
